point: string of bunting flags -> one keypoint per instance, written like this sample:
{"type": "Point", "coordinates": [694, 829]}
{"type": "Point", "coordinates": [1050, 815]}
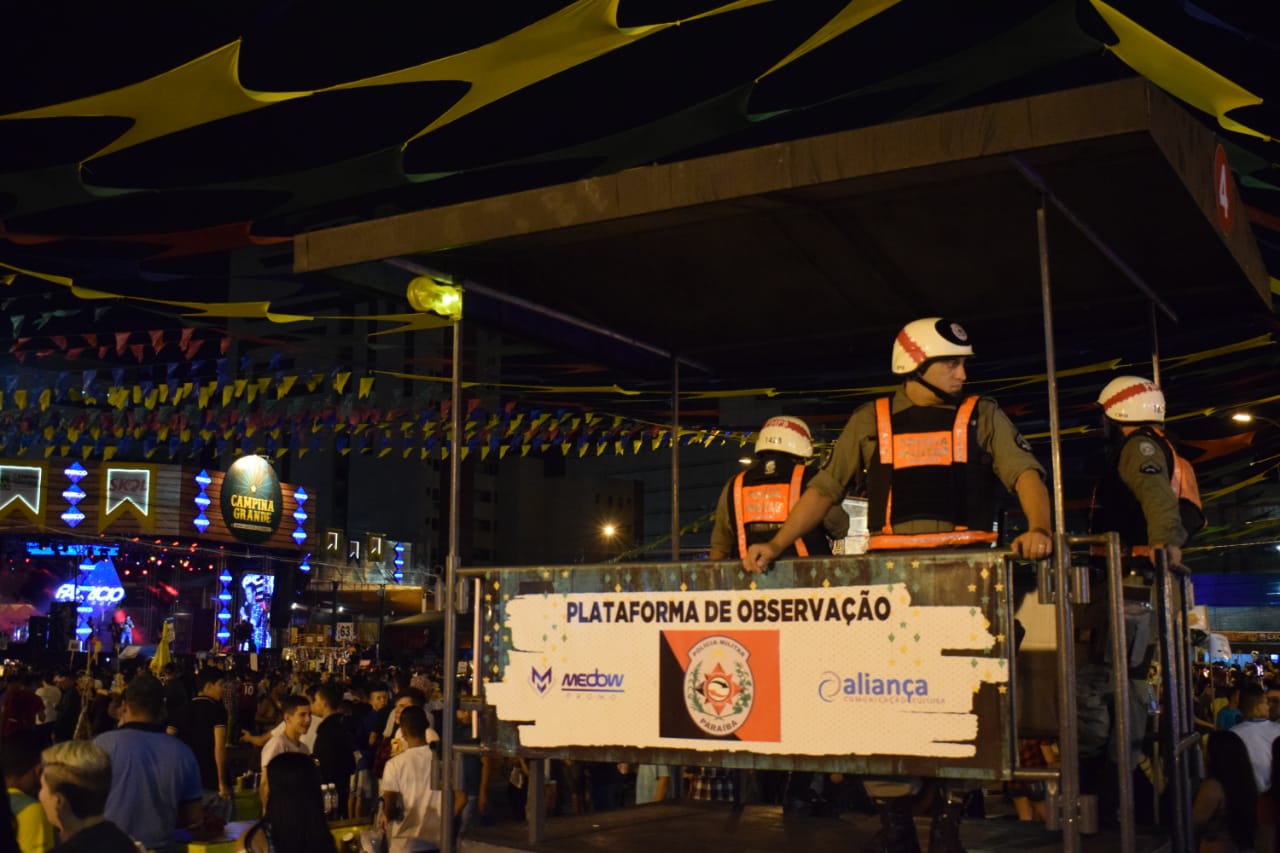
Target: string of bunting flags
{"type": "Point", "coordinates": [178, 433]}
{"type": "Point", "coordinates": [176, 412]}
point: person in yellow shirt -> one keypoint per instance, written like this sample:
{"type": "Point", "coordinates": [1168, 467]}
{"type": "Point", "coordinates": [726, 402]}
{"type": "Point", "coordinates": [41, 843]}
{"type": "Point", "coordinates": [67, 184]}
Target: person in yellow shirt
{"type": "Point", "coordinates": [20, 762]}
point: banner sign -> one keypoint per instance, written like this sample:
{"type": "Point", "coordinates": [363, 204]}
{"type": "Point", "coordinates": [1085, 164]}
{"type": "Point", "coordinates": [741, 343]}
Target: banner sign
{"type": "Point", "coordinates": [251, 499]}
{"type": "Point", "coordinates": [902, 664]}
{"type": "Point", "coordinates": [21, 487]}
{"type": "Point", "coordinates": [129, 489]}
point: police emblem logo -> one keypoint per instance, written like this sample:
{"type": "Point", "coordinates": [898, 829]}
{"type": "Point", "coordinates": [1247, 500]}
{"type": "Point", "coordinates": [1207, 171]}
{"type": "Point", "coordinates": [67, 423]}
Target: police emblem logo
{"type": "Point", "coordinates": [958, 331]}
{"type": "Point", "coordinates": [719, 688]}
{"type": "Point", "coordinates": [1146, 448]}
{"type": "Point", "coordinates": [540, 681]}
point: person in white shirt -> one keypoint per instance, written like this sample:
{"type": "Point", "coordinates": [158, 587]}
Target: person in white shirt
{"type": "Point", "coordinates": [1259, 734]}
{"type": "Point", "coordinates": [307, 739]}
{"type": "Point", "coordinates": [297, 721]}
{"type": "Point", "coordinates": [50, 695]}
{"type": "Point", "coordinates": [411, 812]}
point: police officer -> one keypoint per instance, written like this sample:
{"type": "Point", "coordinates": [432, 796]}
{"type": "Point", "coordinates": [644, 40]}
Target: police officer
{"type": "Point", "coordinates": [755, 502]}
{"type": "Point", "coordinates": [1138, 497]}
{"type": "Point", "coordinates": [1136, 494]}
{"type": "Point", "coordinates": [930, 453]}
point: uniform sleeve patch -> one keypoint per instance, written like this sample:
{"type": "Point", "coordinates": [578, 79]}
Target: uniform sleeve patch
{"type": "Point", "coordinates": [1022, 442]}
{"type": "Point", "coordinates": [1146, 448]}
{"type": "Point", "coordinates": [1149, 468]}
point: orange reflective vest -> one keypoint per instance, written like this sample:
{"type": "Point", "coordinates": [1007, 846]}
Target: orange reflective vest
{"type": "Point", "coordinates": [766, 503]}
{"type": "Point", "coordinates": [928, 471]}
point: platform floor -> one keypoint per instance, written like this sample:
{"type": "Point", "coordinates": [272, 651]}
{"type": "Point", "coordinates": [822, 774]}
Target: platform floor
{"type": "Point", "coordinates": [709, 828]}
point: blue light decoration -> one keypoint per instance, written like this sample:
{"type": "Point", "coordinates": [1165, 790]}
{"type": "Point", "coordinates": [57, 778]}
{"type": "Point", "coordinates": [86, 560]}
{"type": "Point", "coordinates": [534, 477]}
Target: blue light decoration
{"type": "Point", "coordinates": [202, 501]}
{"type": "Point", "coordinates": [84, 609]}
{"type": "Point", "coordinates": [224, 615]}
{"type": "Point", "coordinates": [305, 565]}
{"type": "Point", "coordinates": [73, 494]}
{"type": "Point", "coordinates": [71, 549]}
{"type": "Point", "coordinates": [300, 515]}
{"type": "Point", "coordinates": [398, 575]}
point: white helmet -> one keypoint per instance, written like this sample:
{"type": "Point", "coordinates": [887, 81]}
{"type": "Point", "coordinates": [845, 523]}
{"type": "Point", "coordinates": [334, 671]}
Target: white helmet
{"type": "Point", "coordinates": [1132, 399]}
{"type": "Point", "coordinates": [932, 337]}
{"type": "Point", "coordinates": [785, 434]}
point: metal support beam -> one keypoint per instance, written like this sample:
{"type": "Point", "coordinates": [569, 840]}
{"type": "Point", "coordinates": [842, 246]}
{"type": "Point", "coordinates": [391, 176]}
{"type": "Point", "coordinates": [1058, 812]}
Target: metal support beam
{"type": "Point", "coordinates": [675, 460]}
{"type": "Point", "coordinates": [451, 565]}
{"type": "Point", "coordinates": [1173, 755]}
{"type": "Point", "coordinates": [1120, 684]}
{"type": "Point", "coordinates": [1067, 732]}
{"type": "Point", "coordinates": [542, 310]}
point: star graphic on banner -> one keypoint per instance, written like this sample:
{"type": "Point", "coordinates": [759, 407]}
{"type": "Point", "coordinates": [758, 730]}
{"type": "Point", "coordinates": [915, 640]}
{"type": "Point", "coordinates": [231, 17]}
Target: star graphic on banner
{"type": "Point", "coordinates": [1003, 690]}
{"type": "Point", "coordinates": [973, 587]}
{"type": "Point", "coordinates": [915, 564]}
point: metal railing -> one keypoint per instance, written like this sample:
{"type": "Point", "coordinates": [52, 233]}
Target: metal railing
{"type": "Point", "coordinates": [1072, 813]}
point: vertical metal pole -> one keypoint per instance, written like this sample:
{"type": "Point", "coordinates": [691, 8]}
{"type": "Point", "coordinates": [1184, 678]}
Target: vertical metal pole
{"type": "Point", "coordinates": [1120, 683]}
{"type": "Point", "coordinates": [1067, 734]}
{"type": "Point", "coordinates": [1011, 742]}
{"type": "Point", "coordinates": [1173, 758]}
{"type": "Point", "coordinates": [333, 616]}
{"type": "Point", "coordinates": [477, 659]}
{"type": "Point", "coordinates": [535, 811]}
{"type": "Point", "coordinates": [382, 617]}
{"type": "Point", "coordinates": [449, 677]}
{"type": "Point", "coordinates": [1155, 344]}
{"type": "Point", "coordinates": [675, 460]}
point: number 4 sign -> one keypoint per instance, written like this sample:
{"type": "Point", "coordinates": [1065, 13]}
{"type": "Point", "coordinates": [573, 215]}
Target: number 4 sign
{"type": "Point", "coordinates": [1222, 190]}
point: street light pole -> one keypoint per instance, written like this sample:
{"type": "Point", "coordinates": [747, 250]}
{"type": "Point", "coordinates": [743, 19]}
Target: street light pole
{"type": "Point", "coordinates": [1249, 417]}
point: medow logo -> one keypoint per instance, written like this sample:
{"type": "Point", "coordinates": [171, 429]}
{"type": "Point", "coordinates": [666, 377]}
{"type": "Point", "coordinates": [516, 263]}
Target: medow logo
{"type": "Point", "coordinates": [592, 682]}
{"type": "Point", "coordinates": [540, 680]}
{"type": "Point", "coordinates": [719, 687]}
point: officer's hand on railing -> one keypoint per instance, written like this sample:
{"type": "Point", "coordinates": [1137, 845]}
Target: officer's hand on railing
{"type": "Point", "coordinates": [1172, 554]}
{"type": "Point", "coordinates": [759, 556]}
{"type": "Point", "coordinates": [1035, 544]}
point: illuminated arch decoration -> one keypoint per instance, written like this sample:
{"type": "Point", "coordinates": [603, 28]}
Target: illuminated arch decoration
{"type": "Point", "coordinates": [73, 494]}
{"type": "Point", "coordinates": [224, 613]}
{"type": "Point", "coordinates": [22, 491]}
{"type": "Point", "coordinates": [305, 565]}
{"type": "Point", "coordinates": [300, 515]}
{"type": "Point", "coordinates": [398, 575]}
{"type": "Point", "coordinates": [130, 490]}
{"type": "Point", "coordinates": [202, 500]}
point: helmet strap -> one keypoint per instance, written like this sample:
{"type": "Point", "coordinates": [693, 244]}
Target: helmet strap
{"type": "Point", "coordinates": [949, 399]}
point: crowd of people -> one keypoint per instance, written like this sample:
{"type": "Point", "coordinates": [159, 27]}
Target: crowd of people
{"type": "Point", "coordinates": [146, 762]}
{"type": "Point", "coordinates": [115, 762]}
{"type": "Point", "coordinates": [1236, 803]}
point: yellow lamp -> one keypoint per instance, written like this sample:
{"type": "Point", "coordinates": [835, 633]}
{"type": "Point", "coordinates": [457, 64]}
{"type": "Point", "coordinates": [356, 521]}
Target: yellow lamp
{"type": "Point", "coordinates": [439, 297]}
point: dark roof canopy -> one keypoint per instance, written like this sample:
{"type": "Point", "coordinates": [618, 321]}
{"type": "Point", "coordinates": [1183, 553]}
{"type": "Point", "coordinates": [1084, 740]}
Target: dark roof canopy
{"type": "Point", "coordinates": [755, 263]}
